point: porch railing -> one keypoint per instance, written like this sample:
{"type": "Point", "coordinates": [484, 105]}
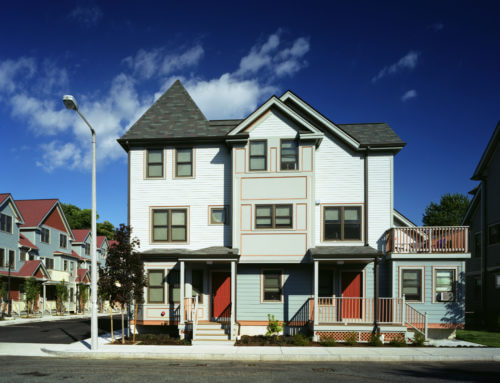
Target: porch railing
{"type": "Point", "coordinates": [348, 310]}
{"type": "Point", "coordinates": [427, 239]}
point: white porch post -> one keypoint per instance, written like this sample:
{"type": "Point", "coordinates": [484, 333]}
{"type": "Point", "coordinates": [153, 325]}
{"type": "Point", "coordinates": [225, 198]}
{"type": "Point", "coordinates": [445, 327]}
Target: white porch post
{"type": "Point", "coordinates": [44, 299]}
{"type": "Point", "coordinates": [316, 277]}
{"type": "Point", "coordinates": [233, 299]}
{"type": "Point", "coordinates": [181, 283]}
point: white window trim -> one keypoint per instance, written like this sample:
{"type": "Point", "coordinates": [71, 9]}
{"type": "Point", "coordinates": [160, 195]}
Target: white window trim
{"type": "Point", "coordinates": [422, 280]}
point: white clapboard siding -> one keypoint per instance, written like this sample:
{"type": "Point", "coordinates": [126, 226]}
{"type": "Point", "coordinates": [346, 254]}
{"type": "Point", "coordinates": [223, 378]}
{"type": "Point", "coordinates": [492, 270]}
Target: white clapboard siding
{"type": "Point", "coordinates": [210, 186]}
{"type": "Point", "coordinates": [273, 124]}
{"type": "Point", "coordinates": [380, 189]}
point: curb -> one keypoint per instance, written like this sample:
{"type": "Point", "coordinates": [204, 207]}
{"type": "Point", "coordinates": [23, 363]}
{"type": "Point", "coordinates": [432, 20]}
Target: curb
{"type": "Point", "coordinates": [271, 357]}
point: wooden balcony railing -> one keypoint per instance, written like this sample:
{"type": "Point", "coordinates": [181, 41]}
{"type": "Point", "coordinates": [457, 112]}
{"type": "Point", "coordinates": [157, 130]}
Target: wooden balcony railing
{"type": "Point", "coordinates": [427, 239]}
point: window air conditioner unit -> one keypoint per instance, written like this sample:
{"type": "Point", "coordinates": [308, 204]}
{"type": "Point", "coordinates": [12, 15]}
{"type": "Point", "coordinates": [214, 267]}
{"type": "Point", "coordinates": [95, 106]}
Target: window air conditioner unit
{"type": "Point", "coordinates": [445, 297]}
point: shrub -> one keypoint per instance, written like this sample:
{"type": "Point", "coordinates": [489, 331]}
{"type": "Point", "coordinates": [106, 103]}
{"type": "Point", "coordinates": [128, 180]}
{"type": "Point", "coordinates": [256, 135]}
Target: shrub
{"type": "Point", "coordinates": [352, 338]}
{"type": "Point", "coordinates": [375, 340]}
{"type": "Point", "coordinates": [329, 342]}
{"type": "Point", "coordinates": [398, 341]}
{"type": "Point", "coordinates": [274, 327]}
{"type": "Point", "coordinates": [300, 340]}
{"type": "Point", "coordinates": [245, 339]}
{"type": "Point", "coordinates": [418, 339]}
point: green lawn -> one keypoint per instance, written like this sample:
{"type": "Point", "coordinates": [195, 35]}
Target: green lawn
{"type": "Point", "coordinates": [490, 339]}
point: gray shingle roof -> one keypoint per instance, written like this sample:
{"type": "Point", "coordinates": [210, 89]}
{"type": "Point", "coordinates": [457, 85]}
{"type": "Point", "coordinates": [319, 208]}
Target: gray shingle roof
{"type": "Point", "coordinates": [378, 133]}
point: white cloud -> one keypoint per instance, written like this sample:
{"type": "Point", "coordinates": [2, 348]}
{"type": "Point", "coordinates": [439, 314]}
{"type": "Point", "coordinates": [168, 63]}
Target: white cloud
{"type": "Point", "coordinates": [158, 62]}
{"type": "Point", "coordinates": [15, 72]}
{"type": "Point", "coordinates": [88, 16]}
{"type": "Point", "coordinates": [407, 62]}
{"type": "Point", "coordinates": [112, 111]}
{"type": "Point", "coordinates": [412, 93]}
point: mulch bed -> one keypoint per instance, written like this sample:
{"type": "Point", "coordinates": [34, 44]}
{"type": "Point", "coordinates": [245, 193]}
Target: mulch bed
{"type": "Point", "coordinates": [302, 341]}
{"type": "Point", "coordinates": [154, 339]}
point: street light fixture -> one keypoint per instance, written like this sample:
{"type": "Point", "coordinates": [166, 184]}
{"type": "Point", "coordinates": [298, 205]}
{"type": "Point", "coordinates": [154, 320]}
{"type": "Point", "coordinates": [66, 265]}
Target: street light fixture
{"type": "Point", "coordinates": [71, 104]}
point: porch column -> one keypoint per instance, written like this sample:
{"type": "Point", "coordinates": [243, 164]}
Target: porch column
{"type": "Point", "coordinates": [376, 328]}
{"type": "Point", "coordinates": [233, 299]}
{"type": "Point", "coordinates": [44, 298]}
{"type": "Point", "coordinates": [316, 277]}
{"type": "Point", "coordinates": [69, 296]}
{"type": "Point", "coordinates": [181, 283]}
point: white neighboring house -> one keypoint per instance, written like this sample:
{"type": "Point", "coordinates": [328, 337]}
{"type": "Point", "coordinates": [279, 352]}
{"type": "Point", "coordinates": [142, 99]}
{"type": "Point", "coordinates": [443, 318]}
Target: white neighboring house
{"type": "Point", "coordinates": [283, 213]}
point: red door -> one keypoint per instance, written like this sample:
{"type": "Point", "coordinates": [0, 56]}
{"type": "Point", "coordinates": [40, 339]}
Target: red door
{"type": "Point", "coordinates": [351, 288]}
{"type": "Point", "coordinates": [221, 295]}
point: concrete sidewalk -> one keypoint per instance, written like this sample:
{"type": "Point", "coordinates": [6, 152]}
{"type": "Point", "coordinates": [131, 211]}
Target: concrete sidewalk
{"type": "Point", "coordinates": [245, 353]}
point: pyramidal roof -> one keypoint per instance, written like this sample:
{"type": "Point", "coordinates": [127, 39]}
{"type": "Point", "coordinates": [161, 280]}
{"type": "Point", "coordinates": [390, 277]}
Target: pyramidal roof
{"type": "Point", "coordinates": [173, 115]}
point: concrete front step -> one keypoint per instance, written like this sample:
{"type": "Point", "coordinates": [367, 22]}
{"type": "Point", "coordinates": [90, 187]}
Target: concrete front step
{"type": "Point", "coordinates": [211, 342]}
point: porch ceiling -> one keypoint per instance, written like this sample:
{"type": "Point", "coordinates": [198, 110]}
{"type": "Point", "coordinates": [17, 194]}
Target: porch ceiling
{"type": "Point", "coordinates": [208, 253]}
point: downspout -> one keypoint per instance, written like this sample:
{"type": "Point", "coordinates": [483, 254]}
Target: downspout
{"type": "Point", "coordinates": [376, 328]}
{"type": "Point", "coordinates": [365, 210]}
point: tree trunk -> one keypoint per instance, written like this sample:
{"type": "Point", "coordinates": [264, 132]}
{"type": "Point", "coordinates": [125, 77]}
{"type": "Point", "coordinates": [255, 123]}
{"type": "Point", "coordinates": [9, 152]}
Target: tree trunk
{"type": "Point", "coordinates": [123, 325]}
{"type": "Point", "coordinates": [111, 313]}
{"type": "Point", "coordinates": [135, 322]}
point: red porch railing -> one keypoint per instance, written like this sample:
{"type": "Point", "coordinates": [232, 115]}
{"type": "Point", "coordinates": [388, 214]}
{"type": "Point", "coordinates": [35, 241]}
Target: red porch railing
{"type": "Point", "coordinates": [427, 239]}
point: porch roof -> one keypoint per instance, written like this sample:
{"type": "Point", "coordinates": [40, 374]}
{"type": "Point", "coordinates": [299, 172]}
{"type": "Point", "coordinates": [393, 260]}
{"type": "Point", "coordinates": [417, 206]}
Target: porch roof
{"type": "Point", "coordinates": [187, 254]}
{"type": "Point", "coordinates": [344, 252]}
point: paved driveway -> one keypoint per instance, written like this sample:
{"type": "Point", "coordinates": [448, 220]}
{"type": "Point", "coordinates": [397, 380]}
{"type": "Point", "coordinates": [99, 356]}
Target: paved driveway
{"type": "Point", "coordinates": [61, 331]}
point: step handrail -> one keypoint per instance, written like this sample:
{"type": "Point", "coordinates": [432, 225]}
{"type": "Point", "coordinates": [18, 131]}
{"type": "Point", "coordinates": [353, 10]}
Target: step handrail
{"type": "Point", "coordinates": [415, 319]}
{"type": "Point", "coordinates": [195, 315]}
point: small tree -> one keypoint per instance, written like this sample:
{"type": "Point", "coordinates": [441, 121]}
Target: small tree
{"type": "Point", "coordinates": [61, 296]}
{"type": "Point", "coordinates": [84, 297]}
{"type": "Point", "coordinates": [449, 212]}
{"type": "Point", "coordinates": [31, 293]}
{"type": "Point", "coordinates": [3, 295]}
{"type": "Point", "coordinates": [124, 271]}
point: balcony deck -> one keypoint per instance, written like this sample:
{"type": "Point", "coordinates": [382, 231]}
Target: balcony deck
{"type": "Point", "coordinates": [428, 239]}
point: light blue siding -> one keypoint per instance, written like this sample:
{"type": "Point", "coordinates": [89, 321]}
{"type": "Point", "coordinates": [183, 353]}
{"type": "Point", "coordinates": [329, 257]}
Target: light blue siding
{"type": "Point", "coordinates": [10, 241]}
{"type": "Point", "coordinates": [438, 312]}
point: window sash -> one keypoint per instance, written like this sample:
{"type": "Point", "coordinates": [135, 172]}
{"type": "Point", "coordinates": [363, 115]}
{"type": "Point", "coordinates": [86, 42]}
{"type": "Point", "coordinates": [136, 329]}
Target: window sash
{"type": "Point", "coordinates": [273, 216]}
{"type": "Point", "coordinates": [258, 157]}
{"type": "Point", "coordinates": [87, 249]}
{"type": "Point", "coordinates": [411, 285]}
{"type": "Point", "coordinates": [289, 155]}
{"type": "Point", "coordinates": [155, 163]}
{"type": "Point", "coordinates": [272, 286]}
{"type": "Point", "coordinates": [5, 223]}
{"type": "Point", "coordinates": [12, 258]}
{"type": "Point", "coordinates": [156, 286]}
{"type": "Point", "coordinates": [444, 280]}
{"type": "Point", "coordinates": [217, 216]}
{"type": "Point", "coordinates": [63, 241]}
{"type": "Point", "coordinates": [184, 162]}
{"type": "Point", "coordinates": [2, 258]}
{"type": "Point", "coordinates": [174, 290]}
{"type": "Point", "coordinates": [45, 236]}
{"type": "Point", "coordinates": [342, 223]}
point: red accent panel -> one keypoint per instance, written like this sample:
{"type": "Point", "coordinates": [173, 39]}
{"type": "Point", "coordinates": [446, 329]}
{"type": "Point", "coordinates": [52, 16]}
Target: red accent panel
{"type": "Point", "coordinates": [54, 220]}
{"type": "Point", "coordinates": [221, 293]}
{"type": "Point", "coordinates": [351, 288]}
{"type": "Point", "coordinates": [39, 273]}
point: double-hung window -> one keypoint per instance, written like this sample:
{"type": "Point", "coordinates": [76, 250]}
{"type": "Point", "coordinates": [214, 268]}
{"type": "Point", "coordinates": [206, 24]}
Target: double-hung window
{"type": "Point", "coordinates": [63, 241]}
{"type": "Point", "coordinates": [87, 249]}
{"type": "Point", "coordinates": [65, 264]}
{"type": "Point", "coordinates": [184, 162]}
{"type": "Point", "coordinates": [273, 216]}
{"type": "Point", "coordinates": [5, 223]}
{"type": "Point", "coordinates": [154, 163]}
{"type": "Point", "coordinates": [342, 223]}
{"type": "Point", "coordinates": [258, 155]}
{"type": "Point", "coordinates": [411, 284]}
{"type": "Point", "coordinates": [45, 235]}
{"type": "Point", "coordinates": [156, 286]}
{"type": "Point", "coordinates": [272, 286]}
{"type": "Point", "coordinates": [3, 262]}
{"type": "Point", "coordinates": [169, 225]}
{"type": "Point", "coordinates": [289, 155]}
{"type": "Point", "coordinates": [444, 282]}
{"type": "Point", "coordinates": [12, 258]}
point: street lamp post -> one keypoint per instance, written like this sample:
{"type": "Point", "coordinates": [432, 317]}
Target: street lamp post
{"type": "Point", "coordinates": [71, 104]}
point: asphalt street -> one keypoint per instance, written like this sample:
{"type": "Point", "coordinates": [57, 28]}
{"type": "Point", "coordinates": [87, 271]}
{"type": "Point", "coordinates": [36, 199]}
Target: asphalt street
{"type": "Point", "coordinates": [30, 369]}
{"type": "Point", "coordinates": [62, 332]}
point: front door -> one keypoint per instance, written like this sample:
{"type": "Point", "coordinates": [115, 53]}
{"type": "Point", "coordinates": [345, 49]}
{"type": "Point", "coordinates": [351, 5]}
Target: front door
{"type": "Point", "coordinates": [351, 288]}
{"type": "Point", "coordinates": [221, 295]}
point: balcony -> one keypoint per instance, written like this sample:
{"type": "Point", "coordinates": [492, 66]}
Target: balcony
{"type": "Point", "coordinates": [427, 239]}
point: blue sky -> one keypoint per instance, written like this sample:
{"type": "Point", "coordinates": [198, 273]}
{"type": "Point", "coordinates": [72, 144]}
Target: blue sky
{"type": "Point", "coordinates": [429, 69]}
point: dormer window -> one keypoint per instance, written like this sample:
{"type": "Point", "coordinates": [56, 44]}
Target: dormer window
{"type": "Point", "coordinates": [258, 155]}
{"type": "Point", "coordinates": [289, 157]}
{"type": "Point", "coordinates": [155, 163]}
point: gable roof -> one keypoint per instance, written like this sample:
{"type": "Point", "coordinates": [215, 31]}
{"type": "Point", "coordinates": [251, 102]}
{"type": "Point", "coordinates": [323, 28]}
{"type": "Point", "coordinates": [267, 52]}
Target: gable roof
{"type": "Point", "coordinates": [36, 211]}
{"type": "Point", "coordinates": [487, 154]}
{"type": "Point", "coordinates": [403, 219]}
{"type": "Point", "coordinates": [82, 275]}
{"type": "Point", "coordinates": [80, 235]}
{"type": "Point", "coordinates": [4, 198]}
{"type": "Point", "coordinates": [29, 269]}
{"type": "Point", "coordinates": [100, 240]}
{"type": "Point", "coordinates": [25, 242]}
